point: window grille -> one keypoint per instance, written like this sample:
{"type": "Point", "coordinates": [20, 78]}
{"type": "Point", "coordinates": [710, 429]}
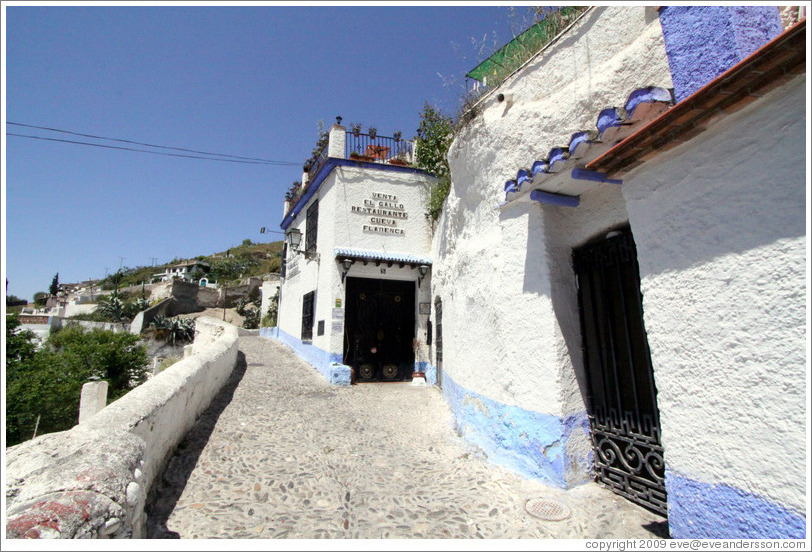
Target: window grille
{"type": "Point", "coordinates": [307, 315]}
{"type": "Point", "coordinates": [311, 228]}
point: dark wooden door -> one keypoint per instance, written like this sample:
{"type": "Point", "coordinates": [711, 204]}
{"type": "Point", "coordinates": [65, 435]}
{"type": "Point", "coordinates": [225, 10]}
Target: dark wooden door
{"type": "Point", "coordinates": [622, 397]}
{"type": "Point", "coordinates": [380, 329]}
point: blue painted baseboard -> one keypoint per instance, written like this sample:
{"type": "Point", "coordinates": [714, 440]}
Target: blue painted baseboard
{"type": "Point", "coordinates": [530, 443]}
{"type": "Point", "coordinates": [328, 365]}
{"type": "Point", "coordinates": [718, 511]}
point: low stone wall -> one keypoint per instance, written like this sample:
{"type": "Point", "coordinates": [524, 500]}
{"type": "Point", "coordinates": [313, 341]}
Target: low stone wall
{"type": "Point", "coordinates": [143, 318]}
{"type": "Point", "coordinates": [92, 481]}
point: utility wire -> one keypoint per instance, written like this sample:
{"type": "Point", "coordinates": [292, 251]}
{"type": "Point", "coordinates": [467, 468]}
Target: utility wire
{"type": "Point", "coordinates": [153, 152]}
{"type": "Point", "coordinates": [258, 160]}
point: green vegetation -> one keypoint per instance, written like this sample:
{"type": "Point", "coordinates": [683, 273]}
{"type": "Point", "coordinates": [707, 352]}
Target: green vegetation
{"type": "Point", "coordinates": [40, 298]}
{"type": "Point", "coordinates": [54, 288]}
{"type": "Point", "coordinates": [167, 362]}
{"type": "Point", "coordinates": [269, 320]}
{"type": "Point", "coordinates": [15, 304]}
{"type": "Point", "coordinates": [435, 134]}
{"type": "Point", "coordinates": [43, 387]}
{"type": "Point", "coordinates": [549, 22]}
{"type": "Point", "coordinates": [246, 260]}
{"type": "Point", "coordinates": [174, 330]}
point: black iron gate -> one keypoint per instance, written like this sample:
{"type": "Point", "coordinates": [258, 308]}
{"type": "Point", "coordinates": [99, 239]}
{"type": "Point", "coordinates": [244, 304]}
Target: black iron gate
{"type": "Point", "coordinates": [622, 397]}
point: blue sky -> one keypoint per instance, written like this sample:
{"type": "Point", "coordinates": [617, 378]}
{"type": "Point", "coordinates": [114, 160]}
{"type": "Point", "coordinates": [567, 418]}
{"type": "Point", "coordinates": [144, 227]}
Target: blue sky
{"type": "Point", "coordinates": [247, 81]}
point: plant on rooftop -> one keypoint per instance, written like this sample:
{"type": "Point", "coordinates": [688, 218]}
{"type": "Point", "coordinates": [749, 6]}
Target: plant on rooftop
{"type": "Point", "coordinates": [356, 128]}
{"type": "Point", "coordinates": [550, 22]}
{"type": "Point", "coordinates": [373, 132]}
{"type": "Point", "coordinates": [435, 134]}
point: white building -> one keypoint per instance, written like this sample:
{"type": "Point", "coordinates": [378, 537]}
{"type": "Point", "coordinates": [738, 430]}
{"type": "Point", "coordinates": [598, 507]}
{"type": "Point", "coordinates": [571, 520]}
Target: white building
{"type": "Point", "coordinates": [187, 271]}
{"type": "Point", "coordinates": [639, 314]}
{"type": "Point", "coordinates": [354, 291]}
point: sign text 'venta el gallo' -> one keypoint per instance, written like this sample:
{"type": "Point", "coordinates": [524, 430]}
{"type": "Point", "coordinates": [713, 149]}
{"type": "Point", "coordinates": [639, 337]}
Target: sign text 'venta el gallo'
{"type": "Point", "coordinates": [385, 211]}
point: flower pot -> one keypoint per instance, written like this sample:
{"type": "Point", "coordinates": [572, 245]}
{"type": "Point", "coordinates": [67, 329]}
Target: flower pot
{"type": "Point", "coordinates": [398, 162]}
{"type": "Point", "coordinates": [359, 157]}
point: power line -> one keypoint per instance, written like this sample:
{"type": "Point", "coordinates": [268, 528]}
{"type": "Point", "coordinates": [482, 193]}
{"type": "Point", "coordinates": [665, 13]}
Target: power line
{"type": "Point", "coordinates": [154, 152]}
{"type": "Point", "coordinates": [52, 129]}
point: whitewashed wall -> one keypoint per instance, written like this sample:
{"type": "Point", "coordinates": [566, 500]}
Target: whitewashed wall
{"type": "Point", "coordinates": [339, 226]}
{"type": "Point", "coordinates": [720, 227]}
{"type": "Point", "coordinates": [496, 267]}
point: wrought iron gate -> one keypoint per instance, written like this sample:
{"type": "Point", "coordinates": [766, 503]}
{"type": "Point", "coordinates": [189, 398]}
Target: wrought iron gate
{"type": "Point", "coordinates": [622, 397]}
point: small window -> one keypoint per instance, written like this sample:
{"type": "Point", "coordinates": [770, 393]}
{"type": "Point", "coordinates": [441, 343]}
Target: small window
{"type": "Point", "coordinates": [320, 331]}
{"type": "Point", "coordinates": [283, 268]}
{"type": "Point", "coordinates": [311, 227]}
{"type": "Point", "coordinates": [307, 315]}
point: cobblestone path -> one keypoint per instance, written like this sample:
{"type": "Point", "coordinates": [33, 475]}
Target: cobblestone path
{"type": "Point", "coordinates": [283, 454]}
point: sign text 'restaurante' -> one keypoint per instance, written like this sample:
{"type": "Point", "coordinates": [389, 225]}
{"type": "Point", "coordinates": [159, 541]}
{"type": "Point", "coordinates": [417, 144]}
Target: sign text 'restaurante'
{"type": "Point", "coordinates": [385, 211]}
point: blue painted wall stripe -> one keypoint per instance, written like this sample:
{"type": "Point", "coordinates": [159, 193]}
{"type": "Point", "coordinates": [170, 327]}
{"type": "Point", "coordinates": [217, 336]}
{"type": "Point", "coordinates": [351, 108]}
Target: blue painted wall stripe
{"type": "Point", "coordinates": [530, 443]}
{"type": "Point", "coordinates": [719, 511]}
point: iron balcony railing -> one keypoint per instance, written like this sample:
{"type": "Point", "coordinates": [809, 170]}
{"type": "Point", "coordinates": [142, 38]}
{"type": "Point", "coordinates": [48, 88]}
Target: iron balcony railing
{"type": "Point", "coordinates": [378, 149]}
{"type": "Point", "coordinates": [363, 147]}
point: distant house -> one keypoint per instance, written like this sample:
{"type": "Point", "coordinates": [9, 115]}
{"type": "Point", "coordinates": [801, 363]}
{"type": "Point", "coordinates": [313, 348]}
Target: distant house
{"type": "Point", "coordinates": [188, 271]}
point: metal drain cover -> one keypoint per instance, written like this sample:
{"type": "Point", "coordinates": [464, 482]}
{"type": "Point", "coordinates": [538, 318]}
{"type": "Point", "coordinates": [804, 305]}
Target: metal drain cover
{"type": "Point", "coordinates": [546, 509]}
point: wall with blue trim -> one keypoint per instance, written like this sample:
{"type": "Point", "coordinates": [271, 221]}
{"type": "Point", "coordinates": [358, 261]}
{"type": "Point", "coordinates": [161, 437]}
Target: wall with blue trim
{"type": "Point", "coordinates": [536, 445]}
{"type": "Point", "coordinates": [328, 365]}
{"type": "Point", "coordinates": [702, 42]}
{"type": "Point", "coordinates": [718, 511]}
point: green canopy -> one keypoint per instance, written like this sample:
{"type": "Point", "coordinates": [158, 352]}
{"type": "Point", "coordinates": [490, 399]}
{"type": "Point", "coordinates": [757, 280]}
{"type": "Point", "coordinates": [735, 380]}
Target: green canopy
{"type": "Point", "coordinates": [509, 57]}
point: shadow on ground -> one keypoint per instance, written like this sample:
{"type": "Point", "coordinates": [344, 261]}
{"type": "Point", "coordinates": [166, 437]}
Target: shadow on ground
{"type": "Point", "coordinates": [166, 490]}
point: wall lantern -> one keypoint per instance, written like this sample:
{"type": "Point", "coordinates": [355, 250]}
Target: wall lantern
{"type": "Point", "coordinates": [294, 238]}
{"type": "Point", "coordinates": [347, 263]}
{"type": "Point", "coordinates": [423, 269]}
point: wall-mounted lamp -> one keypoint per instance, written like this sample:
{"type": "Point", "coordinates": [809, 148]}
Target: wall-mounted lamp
{"type": "Point", "coordinates": [346, 263]}
{"type": "Point", "coordinates": [294, 238]}
{"type": "Point", "coordinates": [423, 269]}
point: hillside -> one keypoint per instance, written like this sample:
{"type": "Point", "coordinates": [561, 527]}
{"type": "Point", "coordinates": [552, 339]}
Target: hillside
{"type": "Point", "coordinates": [243, 261]}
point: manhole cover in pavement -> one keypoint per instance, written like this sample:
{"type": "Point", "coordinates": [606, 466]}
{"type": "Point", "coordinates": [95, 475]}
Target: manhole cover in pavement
{"type": "Point", "coordinates": [548, 510]}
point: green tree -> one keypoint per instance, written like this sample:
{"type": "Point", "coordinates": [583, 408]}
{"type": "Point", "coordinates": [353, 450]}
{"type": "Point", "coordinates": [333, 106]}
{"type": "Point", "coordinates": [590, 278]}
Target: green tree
{"type": "Point", "coordinates": [40, 298]}
{"type": "Point", "coordinates": [20, 346]}
{"type": "Point", "coordinates": [54, 288]}
{"type": "Point", "coordinates": [43, 387]}
{"type": "Point", "coordinates": [117, 358]}
{"type": "Point", "coordinates": [434, 136]}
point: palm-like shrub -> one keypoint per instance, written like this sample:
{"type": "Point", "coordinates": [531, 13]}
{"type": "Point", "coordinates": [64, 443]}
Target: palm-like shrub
{"type": "Point", "coordinates": [174, 330]}
{"type": "Point", "coordinates": [251, 320]}
{"type": "Point", "coordinates": [111, 308]}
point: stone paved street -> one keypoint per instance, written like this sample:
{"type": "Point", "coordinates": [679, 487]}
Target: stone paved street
{"type": "Point", "coordinates": [283, 454]}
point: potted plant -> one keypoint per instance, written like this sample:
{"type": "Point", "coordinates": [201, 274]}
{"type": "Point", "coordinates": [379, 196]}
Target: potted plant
{"type": "Point", "coordinates": [356, 129]}
{"type": "Point", "coordinates": [373, 132]}
{"type": "Point", "coordinates": [396, 135]}
{"type": "Point", "coordinates": [355, 156]}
